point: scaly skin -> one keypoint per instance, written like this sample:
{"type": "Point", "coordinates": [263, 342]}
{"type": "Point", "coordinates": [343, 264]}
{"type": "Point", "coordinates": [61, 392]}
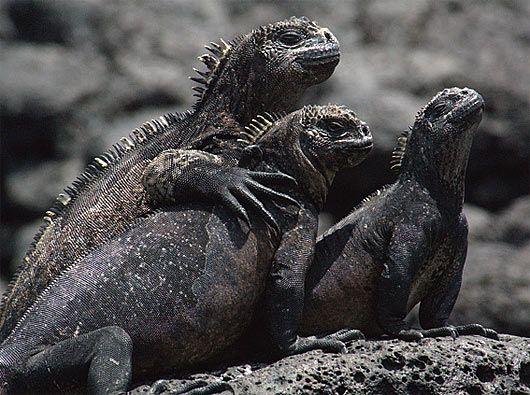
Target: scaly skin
{"type": "Point", "coordinates": [181, 285]}
{"type": "Point", "coordinates": [265, 70]}
{"type": "Point", "coordinates": [407, 244]}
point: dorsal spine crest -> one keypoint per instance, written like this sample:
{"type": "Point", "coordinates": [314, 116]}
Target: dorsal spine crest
{"type": "Point", "coordinates": [260, 125]}
{"type": "Point", "coordinates": [100, 165]}
{"type": "Point", "coordinates": [399, 151]}
{"type": "Point", "coordinates": [213, 62]}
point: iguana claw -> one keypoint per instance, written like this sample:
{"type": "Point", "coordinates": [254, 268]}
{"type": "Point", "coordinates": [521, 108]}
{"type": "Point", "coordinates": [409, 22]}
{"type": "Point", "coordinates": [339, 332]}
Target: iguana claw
{"type": "Point", "coordinates": [243, 193]}
{"type": "Point", "coordinates": [198, 387]}
{"type": "Point", "coordinates": [304, 344]}
{"type": "Point", "coordinates": [477, 329]}
{"type": "Point", "coordinates": [345, 335]}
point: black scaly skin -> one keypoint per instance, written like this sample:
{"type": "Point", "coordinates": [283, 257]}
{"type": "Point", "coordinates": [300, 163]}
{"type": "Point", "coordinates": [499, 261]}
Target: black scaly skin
{"type": "Point", "coordinates": [407, 243]}
{"type": "Point", "coordinates": [265, 70]}
{"type": "Point", "coordinates": [181, 285]}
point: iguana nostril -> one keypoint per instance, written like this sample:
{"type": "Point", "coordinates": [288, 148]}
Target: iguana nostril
{"type": "Point", "coordinates": [328, 35]}
{"type": "Point", "coordinates": [365, 130]}
{"type": "Point", "coordinates": [465, 91]}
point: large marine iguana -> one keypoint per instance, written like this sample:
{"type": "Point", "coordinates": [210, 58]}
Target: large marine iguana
{"type": "Point", "coordinates": [265, 70]}
{"type": "Point", "coordinates": [180, 285]}
{"type": "Point", "coordinates": [407, 243]}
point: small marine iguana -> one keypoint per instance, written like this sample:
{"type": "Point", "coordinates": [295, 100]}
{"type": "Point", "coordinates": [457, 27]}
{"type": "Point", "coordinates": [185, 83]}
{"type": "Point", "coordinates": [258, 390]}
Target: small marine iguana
{"type": "Point", "coordinates": [265, 70]}
{"type": "Point", "coordinates": [407, 243]}
{"type": "Point", "coordinates": [181, 285]}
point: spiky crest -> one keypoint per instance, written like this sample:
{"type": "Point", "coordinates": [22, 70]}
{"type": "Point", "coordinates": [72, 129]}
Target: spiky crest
{"type": "Point", "coordinates": [399, 151]}
{"type": "Point", "coordinates": [100, 165]}
{"type": "Point", "coordinates": [258, 126]}
{"type": "Point", "coordinates": [214, 62]}
{"type": "Point", "coordinates": [370, 197]}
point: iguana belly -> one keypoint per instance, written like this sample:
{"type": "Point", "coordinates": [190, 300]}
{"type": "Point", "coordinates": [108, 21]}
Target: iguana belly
{"type": "Point", "coordinates": [344, 296]}
{"type": "Point", "coordinates": [183, 284]}
{"type": "Point", "coordinates": [432, 273]}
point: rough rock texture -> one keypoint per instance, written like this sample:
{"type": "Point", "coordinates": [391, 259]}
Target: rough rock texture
{"type": "Point", "coordinates": [75, 76]}
{"type": "Point", "coordinates": [467, 365]}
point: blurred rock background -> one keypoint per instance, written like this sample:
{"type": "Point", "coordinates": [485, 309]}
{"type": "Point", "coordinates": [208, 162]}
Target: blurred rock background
{"type": "Point", "coordinates": [77, 75]}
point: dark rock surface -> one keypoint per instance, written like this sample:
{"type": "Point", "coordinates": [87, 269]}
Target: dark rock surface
{"type": "Point", "coordinates": [77, 75]}
{"type": "Point", "coordinates": [467, 365]}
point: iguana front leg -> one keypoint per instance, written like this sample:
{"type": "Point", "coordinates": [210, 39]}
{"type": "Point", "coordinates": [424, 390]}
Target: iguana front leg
{"type": "Point", "coordinates": [406, 252]}
{"type": "Point", "coordinates": [178, 176]}
{"type": "Point", "coordinates": [285, 289]}
{"type": "Point", "coordinates": [437, 306]}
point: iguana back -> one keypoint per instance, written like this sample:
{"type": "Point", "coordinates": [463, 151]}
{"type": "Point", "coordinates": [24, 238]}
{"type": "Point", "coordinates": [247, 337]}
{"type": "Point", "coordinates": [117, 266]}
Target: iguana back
{"type": "Point", "coordinates": [241, 80]}
{"type": "Point", "coordinates": [181, 284]}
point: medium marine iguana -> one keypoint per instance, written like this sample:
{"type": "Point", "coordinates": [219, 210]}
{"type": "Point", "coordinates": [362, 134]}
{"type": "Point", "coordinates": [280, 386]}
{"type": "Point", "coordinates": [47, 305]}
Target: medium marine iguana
{"type": "Point", "coordinates": [265, 70]}
{"type": "Point", "coordinates": [407, 243]}
{"type": "Point", "coordinates": [180, 285]}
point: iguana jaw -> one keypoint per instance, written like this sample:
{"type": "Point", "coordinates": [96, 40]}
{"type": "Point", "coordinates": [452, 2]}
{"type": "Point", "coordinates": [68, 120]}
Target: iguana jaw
{"type": "Point", "coordinates": [258, 73]}
{"type": "Point", "coordinates": [468, 112]}
{"type": "Point", "coordinates": [320, 61]}
{"type": "Point", "coordinates": [328, 55]}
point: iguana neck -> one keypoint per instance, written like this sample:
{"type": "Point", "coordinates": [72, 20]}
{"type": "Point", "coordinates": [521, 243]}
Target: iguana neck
{"type": "Point", "coordinates": [236, 92]}
{"type": "Point", "coordinates": [312, 184]}
{"type": "Point", "coordinates": [439, 168]}
{"type": "Point", "coordinates": [446, 189]}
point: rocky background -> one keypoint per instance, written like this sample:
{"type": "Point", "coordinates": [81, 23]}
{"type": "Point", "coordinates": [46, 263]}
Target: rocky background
{"type": "Point", "coordinates": [77, 75]}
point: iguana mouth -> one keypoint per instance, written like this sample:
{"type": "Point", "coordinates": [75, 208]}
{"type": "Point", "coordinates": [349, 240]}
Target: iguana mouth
{"type": "Point", "coordinates": [470, 108]}
{"type": "Point", "coordinates": [356, 145]}
{"type": "Point", "coordinates": [321, 56]}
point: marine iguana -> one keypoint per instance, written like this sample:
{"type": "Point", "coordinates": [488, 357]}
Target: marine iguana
{"type": "Point", "coordinates": [406, 244]}
{"type": "Point", "coordinates": [265, 70]}
{"type": "Point", "coordinates": [181, 284]}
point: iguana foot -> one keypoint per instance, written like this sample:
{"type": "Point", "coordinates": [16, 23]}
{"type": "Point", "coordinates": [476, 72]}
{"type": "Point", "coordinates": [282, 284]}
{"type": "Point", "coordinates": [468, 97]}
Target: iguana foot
{"type": "Point", "coordinates": [249, 183]}
{"type": "Point", "coordinates": [453, 331]}
{"type": "Point", "coordinates": [304, 344]}
{"type": "Point", "coordinates": [198, 387]}
{"type": "Point", "coordinates": [345, 335]}
{"type": "Point", "coordinates": [418, 334]}
{"type": "Point", "coordinates": [410, 335]}
{"type": "Point", "coordinates": [158, 387]}
{"type": "Point", "coordinates": [476, 329]}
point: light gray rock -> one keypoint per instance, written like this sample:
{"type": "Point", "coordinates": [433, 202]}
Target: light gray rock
{"type": "Point", "coordinates": [512, 225]}
{"type": "Point", "coordinates": [478, 221]}
{"type": "Point", "coordinates": [467, 365]}
{"type": "Point", "coordinates": [47, 78]}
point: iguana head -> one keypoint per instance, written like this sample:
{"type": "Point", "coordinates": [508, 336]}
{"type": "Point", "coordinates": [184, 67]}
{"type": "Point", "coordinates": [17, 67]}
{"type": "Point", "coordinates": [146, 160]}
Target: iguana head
{"type": "Point", "coordinates": [438, 144]}
{"type": "Point", "coordinates": [268, 69]}
{"type": "Point", "coordinates": [313, 143]}
{"type": "Point", "coordinates": [331, 137]}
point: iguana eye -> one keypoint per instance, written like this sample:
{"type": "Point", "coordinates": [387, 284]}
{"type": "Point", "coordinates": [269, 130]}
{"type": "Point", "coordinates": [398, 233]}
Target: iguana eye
{"type": "Point", "coordinates": [335, 126]}
{"type": "Point", "coordinates": [438, 109]}
{"type": "Point", "coordinates": [290, 37]}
